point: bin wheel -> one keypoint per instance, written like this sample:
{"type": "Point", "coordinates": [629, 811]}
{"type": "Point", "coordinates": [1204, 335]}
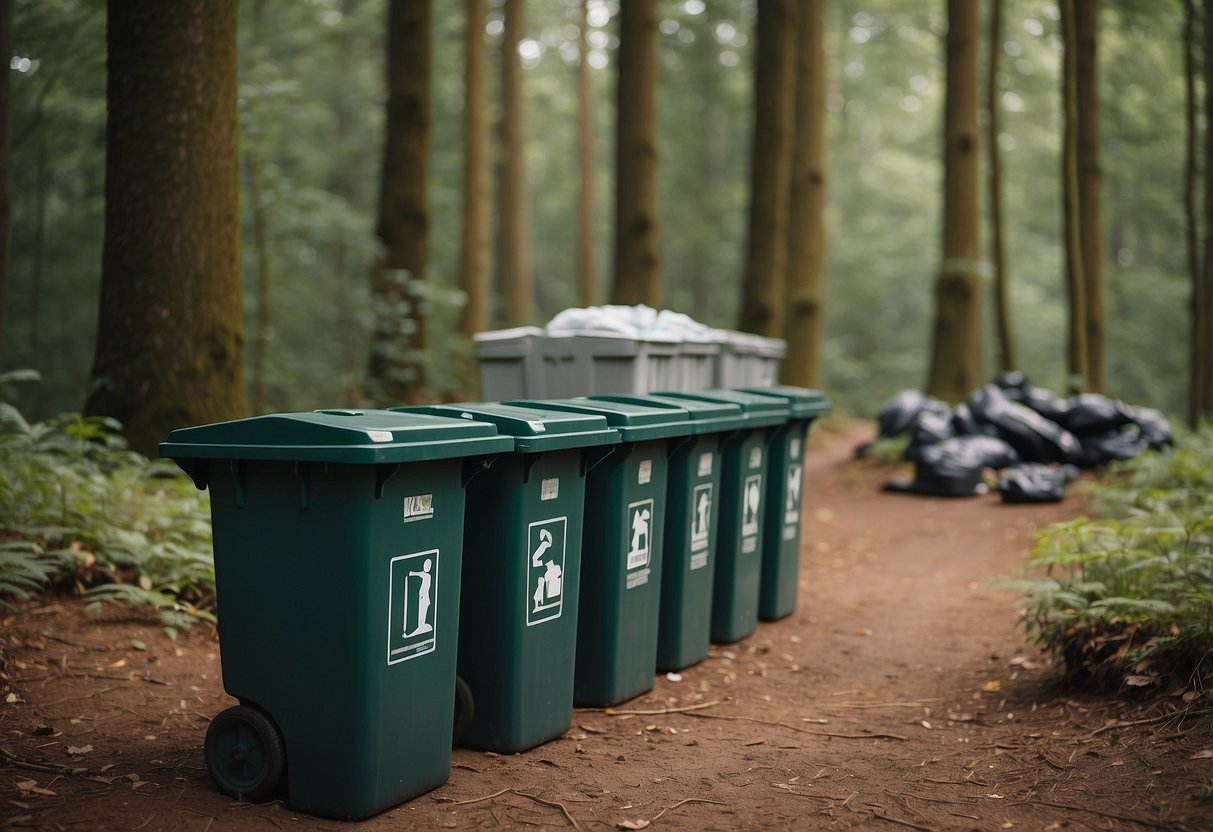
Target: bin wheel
{"type": "Point", "coordinates": [245, 754]}
{"type": "Point", "coordinates": [465, 709]}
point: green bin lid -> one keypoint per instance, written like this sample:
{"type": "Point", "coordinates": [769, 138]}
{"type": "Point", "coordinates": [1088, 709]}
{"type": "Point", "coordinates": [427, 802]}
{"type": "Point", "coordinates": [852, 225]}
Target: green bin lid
{"type": "Point", "coordinates": [709, 417]}
{"type": "Point", "coordinates": [361, 437]}
{"type": "Point", "coordinates": [534, 429]}
{"type": "Point", "coordinates": [635, 422]}
{"type": "Point", "coordinates": [804, 403]}
{"type": "Point", "coordinates": [760, 411]}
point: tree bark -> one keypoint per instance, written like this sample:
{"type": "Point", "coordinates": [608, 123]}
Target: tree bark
{"type": "Point", "coordinates": [956, 349]}
{"type": "Point", "coordinates": [6, 165]}
{"type": "Point", "coordinates": [514, 226]}
{"type": "Point", "coordinates": [762, 297]}
{"type": "Point", "coordinates": [397, 368]}
{"type": "Point", "coordinates": [474, 257]}
{"type": "Point", "coordinates": [1196, 353]}
{"type": "Point", "coordinates": [170, 335]}
{"type": "Point", "coordinates": [1090, 179]}
{"type": "Point", "coordinates": [806, 207]}
{"type": "Point", "coordinates": [1002, 301]}
{"type": "Point", "coordinates": [587, 277]}
{"type": "Point", "coordinates": [1071, 205]}
{"type": "Point", "coordinates": [637, 253]}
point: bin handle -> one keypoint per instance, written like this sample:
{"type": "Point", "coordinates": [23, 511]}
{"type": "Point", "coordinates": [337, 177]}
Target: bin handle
{"type": "Point", "coordinates": [591, 457]}
{"type": "Point", "coordinates": [237, 469]}
{"type": "Point", "coordinates": [383, 473]}
{"type": "Point", "coordinates": [304, 472]}
{"type": "Point", "coordinates": [195, 469]}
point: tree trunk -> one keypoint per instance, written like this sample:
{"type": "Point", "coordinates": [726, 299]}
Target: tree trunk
{"type": "Point", "coordinates": [6, 165]}
{"type": "Point", "coordinates": [513, 216]}
{"type": "Point", "coordinates": [1071, 204]}
{"type": "Point", "coordinates": [806, 207]}
{"type": "Point", "coordinates": [587, 278]}
{"type": "Point", "coordinates": [474, 257]}
{"type": "Point", "coordinates": [397, 368]}
{"type": "Point", "coordinates": [956, 349]}
{"type": "Point", "coordinates": [1206, 291]}
{"type": "Point", "coordinates": [637, 252]}
{"type": "Point", "coordinates": [170, 334]}
{"type": "Point", "coordinates": [1090, 178]}
{"type": "Point", "coordinates": [762, 294]}
{"type": "Point", "coordinates": [261, 333]}
{"type": "Point", "coordinates": [1196, 353]}
{"type": "Point", "coordinates": [1002, 302]}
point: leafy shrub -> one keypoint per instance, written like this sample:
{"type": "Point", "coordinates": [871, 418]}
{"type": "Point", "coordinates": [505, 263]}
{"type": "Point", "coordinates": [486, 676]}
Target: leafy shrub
{"type": "Point", "coordinates": [1128, 599]}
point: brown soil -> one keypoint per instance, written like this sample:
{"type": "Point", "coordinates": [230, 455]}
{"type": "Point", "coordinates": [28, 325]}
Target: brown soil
{"type": "Point", "coordinates": [900, 695]}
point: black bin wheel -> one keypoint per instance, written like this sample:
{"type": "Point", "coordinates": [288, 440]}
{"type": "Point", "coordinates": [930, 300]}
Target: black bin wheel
{"type": "Point", "coordinates": [245, 754]}
{"type": "Point", "coordinates": [465, 709]}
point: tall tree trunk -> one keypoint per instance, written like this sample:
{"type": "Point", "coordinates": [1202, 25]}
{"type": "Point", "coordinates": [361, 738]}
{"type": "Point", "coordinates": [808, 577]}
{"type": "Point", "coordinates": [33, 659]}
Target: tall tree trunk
{"type": "Point", "coordinates": [513, 215]}
{"type": "Point", "coordinates": [170, 333]}
{"type": "Point", "coordinates": [1196, 352]}
{"type": "Point", "coordinates": [762, 290]}
{"type": "Point", "coordinates": [956, 350]}
{"type": "Point", "coordinates": [397, 368]}
{"type": "Point", "coordinates": [1206, 292]}
{"type": "Point", "coordinates": [806, 208]}
{"type": "Point", "coordinates": [474, 256]}
{"type": "Point", "coordinates": [1071, 204]}
{"type": "Point", "coordinates": [587, 278]}
{"type": "Point", "coordinates": [1090, 178]}
{"type": "Point", "coordinates": [637, 252]}
{"type": "Point", "coordinates": [6, 164]}
{"type": "Point", "coordinates": [1002, 302]}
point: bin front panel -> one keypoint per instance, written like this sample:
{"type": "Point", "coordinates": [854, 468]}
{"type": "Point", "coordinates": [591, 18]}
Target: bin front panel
{"type": "Point", "coordinates": [782, 522]}
{"type": "Point", "coordinates": [339, 615]}
{"type": "Point", "coordinates": [621, 574]}
{"type": "Point", "coordinates": [738, 551]}
{"type": "Point", "coordinates": [690, 535]}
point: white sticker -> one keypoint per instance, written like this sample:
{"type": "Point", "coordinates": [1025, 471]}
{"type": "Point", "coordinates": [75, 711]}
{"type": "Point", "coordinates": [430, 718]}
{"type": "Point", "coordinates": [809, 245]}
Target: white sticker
{"type": "Point", "coordinates": [701, 515]}
{"type": "Point", "coordinates": [646, 471]}
{"type": "Point", "coordinates": [545, 570]}
{"type": "Point", "coordinates": [795, 449]}
{"type": "Point", "coordinates": [537, 426]}
{"type": "Point", "coordinates": [638, 578]}
{"type": "Point", "coordinates": [751, 499]}
{"type": "Point", "coordinates": [756, 457]}
{"type": "Point", "coordinates": [380, 435]}
{"type": "Point", "coordinates": [412, 625]}
{"type": "Point", "coordinates": [705, 464]}
{"type": "Point", "coordinates": [639, 533]}
{"type": "Point", "coordinates": [418, 507]}
{"type": "Point", "coordinates": [549, 489]}
{"type": "Point", "coordinates": [791, 506]}
{"type": "Point", "coordinates": [789, 532]}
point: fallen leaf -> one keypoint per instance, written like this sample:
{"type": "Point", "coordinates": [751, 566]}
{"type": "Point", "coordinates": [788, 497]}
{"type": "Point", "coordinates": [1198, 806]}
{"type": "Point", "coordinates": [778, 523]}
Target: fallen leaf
{"type": "Point", "coordinates": [1136, 681]}
{"type": "Point", "coordinates": [137, 644]}
{"type": "Point", "coordinates": [12, 698]}
{"type": "Point", "coordinates": [119, 663]}
{"type": "Point", "coordinates": [1117, 763]}
{"type": "Point", "coordinates": [32, 787]}
{"type": "Point", "coordinates": [590, 729]}
{"type": "Point", "coordinates": [1202, 755]}
{"type": "Point", "coordinates": [82, 749]}
{"type": "Point", "coordinates": [632, 824]}
{"type": "Point", "coordinates": [995, 796]}
{"type": "Point", "coordinates": [992, 685]}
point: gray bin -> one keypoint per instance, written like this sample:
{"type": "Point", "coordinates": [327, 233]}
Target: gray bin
{"type": "Point", "coordinates": [585, 364]}
{"type": "Point", "coordinates": [511, 363]}
{"type": "Point", "coordinates": [748, 360]}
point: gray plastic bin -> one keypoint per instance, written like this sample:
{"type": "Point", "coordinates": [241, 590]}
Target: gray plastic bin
{"type": "Point", "coordinates": [602, 364]}
{"type": "Point", "coordinates": [511, 363]}
{"type": "Point", "coordinates": [748, 360]}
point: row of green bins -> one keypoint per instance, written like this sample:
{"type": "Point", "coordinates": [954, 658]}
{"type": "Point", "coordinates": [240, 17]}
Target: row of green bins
{"type": "Point", "coordinates": [625, 514]}
{"type": "Point", "coordinates": [338, 541]}
{"type": "Point", "coordinates": [522, 543]}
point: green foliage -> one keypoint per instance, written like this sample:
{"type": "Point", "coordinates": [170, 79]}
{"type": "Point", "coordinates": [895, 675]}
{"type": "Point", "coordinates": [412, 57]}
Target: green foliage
{"type": "Point", "coordinates": [1129, 598]}
{"type": "Point", "coordinates": [77, 507]}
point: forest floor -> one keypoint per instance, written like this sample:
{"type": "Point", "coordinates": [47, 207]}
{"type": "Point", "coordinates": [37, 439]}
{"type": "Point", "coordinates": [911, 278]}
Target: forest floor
{"type": "Point", "coordinates": [900, 695]}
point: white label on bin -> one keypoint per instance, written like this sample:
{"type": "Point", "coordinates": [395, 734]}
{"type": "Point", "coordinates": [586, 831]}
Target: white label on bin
{"type": "Point", "coordinates": [794, 450]}
{"type": "Point", "coordinates": [380, 435]}
{"type": "Point", "coordinates": [756, 457]}
{"type": "Point", "coordinates": [537, 426]}
{"type": "Point", "coordinates": [412, 625]}
{"type": "Point", "coordinates": [701, 515]}
{"type": "Point", "coordinates": [789, 532]}
{"type": "Point", "coordinates": [645, 474]}
{"type": "Point", "coordinates": [549, 489]}
{"type": "Point", "coordinates": [639, 534]}
{"type": "Point", "coordinates": [546, 542]}
{"type": "Point", "coordinates": [751, 497]}
{"type": "Point", "coordinates": [705, 464]}
{"type": "Point", "coordinates": [418, 507]}
{"type": "Point", "coordinates": [791, 507]}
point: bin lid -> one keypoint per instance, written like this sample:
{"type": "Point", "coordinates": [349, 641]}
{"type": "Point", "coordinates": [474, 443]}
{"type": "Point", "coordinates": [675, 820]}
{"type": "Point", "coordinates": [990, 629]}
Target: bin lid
{"type": "Point", "coordinates": [760, 411]}
{"type": "Point", "coordinates": [635, 422]}
{"type": "Point", "coordinates": [709, 417]}
{"type": "Point", "coordinates": [804, 403]}
{"type": "Point", "coordinates": [362, 437]}
{"type": "Point", "coordinates": [534, 429]}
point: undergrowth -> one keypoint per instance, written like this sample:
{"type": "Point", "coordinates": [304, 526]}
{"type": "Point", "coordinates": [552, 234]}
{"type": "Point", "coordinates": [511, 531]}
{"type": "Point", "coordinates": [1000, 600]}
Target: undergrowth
{"type": "Point", "coordinates": [1127, 599]}
{"type": "Point", "coordinates": [80, 512]}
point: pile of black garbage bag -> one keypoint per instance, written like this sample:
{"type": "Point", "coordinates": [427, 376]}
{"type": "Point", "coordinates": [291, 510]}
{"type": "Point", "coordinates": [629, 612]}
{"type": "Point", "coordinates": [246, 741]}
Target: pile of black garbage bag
{"type": "Point", "coordinates": [1035, 438]}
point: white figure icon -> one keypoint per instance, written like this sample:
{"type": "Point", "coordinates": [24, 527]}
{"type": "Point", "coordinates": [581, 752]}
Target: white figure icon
{"type": "Point", "coordinates": [545, 543]}
{"type": "Point", "coordinates": [793, 487]}
{"type": "Point", "coordinates": [640, 533]}
{"type": "Point", "coordinates": [702, 507]}
{"type": "Point", "coordinates": [548, 585]}
{"type": "Point", "coordinates": [751, 502]}
{"type": "Point", "coordinates": [424, 580]}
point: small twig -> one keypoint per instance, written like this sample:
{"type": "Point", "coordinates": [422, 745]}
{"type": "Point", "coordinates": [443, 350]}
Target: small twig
{"type": "Point", "coordinates": [800, 730]}
{"type": "Point", "coordinates": [10, 759]}
{"type": "Point", "coordinates": [1181, 715]}
{"type": "Point", "coordinates": [480, 799]}
{"type": "Point", "coordinates": [555, 804]}
{"type": "Point", "coordinates": [49, 636]}
{"type": "Point", "coordinates": [908, 823]}
{"type": "Point", "coordinates": [660, 711]}
{"type": "Point", "coordinates": [683, 803]}
{"type": "Point", "coordinates": [904, 703]}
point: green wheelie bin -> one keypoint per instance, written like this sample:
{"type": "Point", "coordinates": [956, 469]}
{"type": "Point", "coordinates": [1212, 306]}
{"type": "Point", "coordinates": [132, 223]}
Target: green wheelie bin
{"type": "Point", "coordinates": [742, 485]}
{"type": "Point", "coordinates": [621, 557]}
{"type": "Point", "coordinates": [521, 575]}
{"type": "Point", "coordinates": [782, 522]}
{"type": "Point", "coordinates": [691, 524]}
{"type": "Point", "coordinates": [338, 536]}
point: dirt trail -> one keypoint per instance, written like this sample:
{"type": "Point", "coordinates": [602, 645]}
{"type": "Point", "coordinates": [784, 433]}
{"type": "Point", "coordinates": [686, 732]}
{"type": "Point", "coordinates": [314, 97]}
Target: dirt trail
{"type": "Point", "coordinates": [900, 695]}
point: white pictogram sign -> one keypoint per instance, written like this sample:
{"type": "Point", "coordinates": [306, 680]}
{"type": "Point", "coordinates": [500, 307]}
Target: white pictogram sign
{"type": "Point", "coordinates": [751, 497]}
{"type": "Point", "coordinates": [791, 508]}
{"type": "Point", "coordinates": [639, 531]}
{"type": "Point", "coordinates": [545, 585]}
{"type": "Point", "coordinates": [701, 515]}
{"type": "Point", "coordinates": [412, 605]}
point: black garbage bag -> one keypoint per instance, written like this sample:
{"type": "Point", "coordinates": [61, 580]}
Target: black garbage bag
{"type": "Point", "coordinates": [1034, 482]}
{"type": "Point", "coordinates": [1011, 382]}
{"type": "Point", "coordinates": [1034, 438]}
{"type": "Point", "coordinates": [1118, 443]}
{"type": "Point", "coordinates": [930, 428]}
{"type": "Point", "coordinates": [965, 424]}
{"type": "Point", "coordinates": [1041, 400]}
{"type": "Point", "coordinates": [1155, 428]}
{"type": "Point", "coordinates": [897, 415]}
{"type": "Point", "coordinates": [953, 467]}
{"type": "Point", "coordinates": [1093, 413]}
